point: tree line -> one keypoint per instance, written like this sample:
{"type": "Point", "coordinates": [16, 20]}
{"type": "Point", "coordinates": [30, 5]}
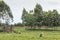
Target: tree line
{"type": "Point", "coordinates": [35, 17]}
{"type": "Point", "coordinates": [38, 17]}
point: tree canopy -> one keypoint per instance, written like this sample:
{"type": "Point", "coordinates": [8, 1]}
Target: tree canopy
{"type": "Point", "coordinates": [38, 17]}
{"type": "Point", "coordinates": [5, 12]}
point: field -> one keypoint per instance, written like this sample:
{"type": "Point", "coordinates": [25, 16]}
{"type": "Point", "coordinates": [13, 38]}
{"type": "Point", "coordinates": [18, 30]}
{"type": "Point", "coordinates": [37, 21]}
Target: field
{"type": "Point", "coordinates": [30, 35]}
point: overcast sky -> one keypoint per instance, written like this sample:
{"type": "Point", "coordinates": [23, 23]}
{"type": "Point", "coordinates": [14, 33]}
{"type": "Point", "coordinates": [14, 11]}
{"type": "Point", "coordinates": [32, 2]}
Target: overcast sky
{"type": "Point", "coordinates": [18, 5]}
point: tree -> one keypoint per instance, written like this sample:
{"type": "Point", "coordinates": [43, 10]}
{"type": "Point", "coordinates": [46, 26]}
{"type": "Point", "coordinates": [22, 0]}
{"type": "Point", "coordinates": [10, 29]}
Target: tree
{"type": "Point", "coordinates": [30, 20]}
{"type": "Point", "coordinates": [45, 18]}
{"type": "Point", "coordinates": [56, 18]}
{"type": "Point", "coordinates": [6, 15]}
{"type": "Point", "coordinates": [38, 17]}
{"type": "Point", "coordinates": [18, 24]}
{"type": "Point", "coordinates": [51, 18]}
{"type": "Point", "coordinates": [24, 13]}
{"type": "Point", "coordinates": [38, 14]}
{"type": "Point", "coordinates": [5, 12]}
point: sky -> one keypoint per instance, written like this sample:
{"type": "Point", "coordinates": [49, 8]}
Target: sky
{"type": "Point", "coordinates": [17, 6]}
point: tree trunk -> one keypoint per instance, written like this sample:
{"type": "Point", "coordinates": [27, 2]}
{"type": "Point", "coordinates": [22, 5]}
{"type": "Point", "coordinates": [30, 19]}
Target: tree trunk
{"type": "Point", "coordinates": [31, 27]}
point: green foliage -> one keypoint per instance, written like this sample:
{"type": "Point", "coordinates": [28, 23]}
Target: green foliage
{"type": "Point", "coordinates": [38, 9]}
{"type": "Point", "coordinates": [51, 18]}
{"type": "Point", "coordinates": [5, 12]}
{"type": "Point", "coordinates": [39, 18]}
{"type": "Point", "coordinates": [24, 13]}
{"type": "Point", "coordinates": [18, 24]}
{"type": "Point", "coordinates": [38, 14]}
{"type": "Point", "coordinates": [30, 20]}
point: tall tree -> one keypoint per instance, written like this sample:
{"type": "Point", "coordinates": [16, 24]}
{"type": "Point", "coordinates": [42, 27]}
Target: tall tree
{"type": "Point", "coordinates": [24, 13]}
{"type": "Point", "coordinates": [38, 13]}
{"type": "Point", "coordinates": [5, 12]}
{"type": "Point", "coordinates": [56, 18]}
{"type": "Point", "coordinates": [30, 20]}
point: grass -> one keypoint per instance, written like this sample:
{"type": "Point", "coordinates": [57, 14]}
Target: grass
{"type": "Point", "coordinates": [31, 35]}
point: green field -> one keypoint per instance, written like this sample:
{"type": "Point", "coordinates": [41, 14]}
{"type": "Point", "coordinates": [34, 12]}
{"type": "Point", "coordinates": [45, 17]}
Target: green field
{"type": "Point", "coordinates": [30, 35]}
